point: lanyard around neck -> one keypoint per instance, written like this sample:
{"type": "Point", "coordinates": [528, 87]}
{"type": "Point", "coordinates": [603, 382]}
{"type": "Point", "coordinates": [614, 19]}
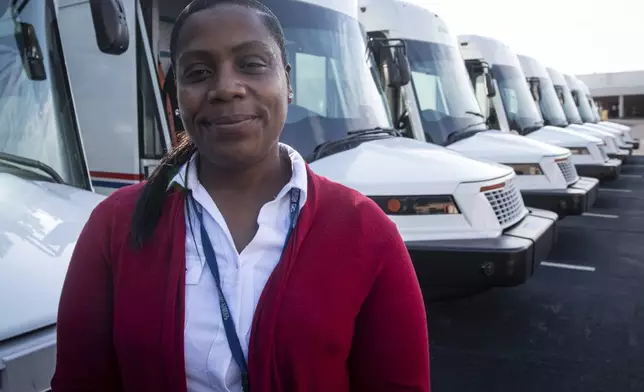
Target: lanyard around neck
{"type": "Point", "coordinates": [211, 260]}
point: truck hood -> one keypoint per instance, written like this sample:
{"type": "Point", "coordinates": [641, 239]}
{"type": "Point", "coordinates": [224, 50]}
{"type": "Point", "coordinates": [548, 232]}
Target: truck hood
{"type": "Point", "coordinates": [591, 131]}
{"type": "Point", "coordinates": [563, 137]}
{"type": "Point", "coordinates": [405, 166]}
{"type": "Point", "coordinates": [39, 225]}
{"type": "Point", "coordinates": [605, 128]}
{"type": "Point", "coordinates": [609, 139]}
{"type": "Point", "coordinates": [505, 147]}
{"type": "Point", "coordinates": [614, 125]}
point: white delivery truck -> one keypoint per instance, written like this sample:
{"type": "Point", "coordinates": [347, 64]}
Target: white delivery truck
{"type": "Point", "coordinates": [625, 130]}
{"type": "Point", "coordinates": [582, 100]}
{"type": "Point", "coordinates": [440, 107]}
{"type": "Point", "coordinates": [514, 109]}
{"type": "Point", "coordinates": [511, 106]}
{"type": "Point", "coordinates": [591, 160]}
{"type": "Point", "coordinates": [577, 123]}
{"type": "Point", "coordinates": [45, 191]}
{"type": "Point", "coordinates": [464, 221]}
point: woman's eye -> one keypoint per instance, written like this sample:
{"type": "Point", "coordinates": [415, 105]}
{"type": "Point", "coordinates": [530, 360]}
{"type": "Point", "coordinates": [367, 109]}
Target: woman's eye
{"type": "Point", "coordinates": [253, 65]}
{"type": "Point", "coordinates": [197, 73]}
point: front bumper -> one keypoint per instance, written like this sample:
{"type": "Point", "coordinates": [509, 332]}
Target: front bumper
{"type": "Point", "coordinates": [574, 200]}
{"type": "Point", "coordinates": [447, 267]}
{"type": "Point", "coordinates": [607, 171]}
{"type": "Point", "coordinates": [629, 147]}
{"type": "Point", "coordinates": [620, 155]}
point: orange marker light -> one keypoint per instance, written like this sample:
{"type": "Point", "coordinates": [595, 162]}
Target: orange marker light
{"type": "Point", "coordinates": [492, 187]}
{"type": "Point", "coordinates": [393, 205]}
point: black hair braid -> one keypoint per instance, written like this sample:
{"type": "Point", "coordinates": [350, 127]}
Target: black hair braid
{"type": "Point", "coordinates": [149, 205]}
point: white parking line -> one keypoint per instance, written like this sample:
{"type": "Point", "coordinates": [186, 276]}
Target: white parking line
{"type": "Point", "coordinates": [615, 190]}
{"type": "Point", "coordinates": [631, 175]}
{"type": "Point", "coordinates": [594, 215]}
{"type": "Point", "coordinates": [568, 266]}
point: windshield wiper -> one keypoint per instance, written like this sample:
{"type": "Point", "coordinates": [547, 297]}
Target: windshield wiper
{"type": "Point", "coordinates": [352, 136]}
{"type": "Point", "coordinates": [32, 163]}
{"type": "Point", "coordinates": [375, 130]}
{"type": "Point", "coordinates": [476, 114]}
{"type": "Point", "coordinates": [465, 132]}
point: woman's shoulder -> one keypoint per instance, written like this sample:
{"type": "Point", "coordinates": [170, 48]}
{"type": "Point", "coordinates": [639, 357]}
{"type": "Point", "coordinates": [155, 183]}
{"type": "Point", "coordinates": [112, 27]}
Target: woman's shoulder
{"type": "Point", "coordinates": [121, 199]}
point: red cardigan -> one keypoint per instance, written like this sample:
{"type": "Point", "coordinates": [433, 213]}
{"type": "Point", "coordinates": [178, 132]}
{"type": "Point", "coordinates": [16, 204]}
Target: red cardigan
{"type": "Point", "coordinates": [341, 312]}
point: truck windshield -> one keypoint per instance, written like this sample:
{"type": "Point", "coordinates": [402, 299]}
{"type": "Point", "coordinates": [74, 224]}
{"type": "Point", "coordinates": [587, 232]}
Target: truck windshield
{"type": "Point", "coordinates": [550, 106]}
{"type": "Point", "coordinates": [520, 109]}
{"type": "Point", "coordinates": [579, 98]}
{"type": "Point", "coordinates": [37, 121]}
{"type": "Point", "coordinates": [335, 92]}
{"type": "Point", "coordinates": [572, 114]}
{"type": "Point", "coordinates": [565, 96]}
{"type": "Point", "coordinates": [593, 104]}
{"type": "Point", "coordinates": [445, 98]}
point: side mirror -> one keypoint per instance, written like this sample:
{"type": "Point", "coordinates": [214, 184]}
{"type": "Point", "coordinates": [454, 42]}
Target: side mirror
{"type": "Point", "coordinates": [110, 26]}
{"type": "Point", "coordinates": [404, 69]}
{"type": "Point", "coordinates": [395, 67]}
{"type": "Point", "coordinates": [489, 85]}
{"type": "Point", "coordinates": [30, 52]}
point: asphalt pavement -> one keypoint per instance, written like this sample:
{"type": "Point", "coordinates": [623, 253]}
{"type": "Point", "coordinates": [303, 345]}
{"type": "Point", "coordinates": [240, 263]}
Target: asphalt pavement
{"type": "Point", "coordinates": [577, 325]}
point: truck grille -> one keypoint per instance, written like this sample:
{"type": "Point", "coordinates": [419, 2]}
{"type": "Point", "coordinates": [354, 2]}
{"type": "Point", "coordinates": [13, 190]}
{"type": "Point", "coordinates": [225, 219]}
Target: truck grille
{"type": "Point", "coordinates": [568, 170]}
{"type": "Point", "coordinates": [507, 204]}
{"type": "Point", "coordinates": [602, 150]}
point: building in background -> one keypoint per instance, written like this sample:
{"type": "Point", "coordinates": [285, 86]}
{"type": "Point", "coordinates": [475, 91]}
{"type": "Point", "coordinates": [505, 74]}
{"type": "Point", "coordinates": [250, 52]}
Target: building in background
{"type": "Point", "coordinates": [621, 94]}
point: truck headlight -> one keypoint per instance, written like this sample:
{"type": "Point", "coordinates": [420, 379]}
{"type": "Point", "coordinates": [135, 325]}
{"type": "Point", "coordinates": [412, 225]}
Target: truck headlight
{"type": "Point", "coordinates": [417, 205]}
{"type": "Point", "coordinates": [579, 150]}
{"type": "Point", "coordinates": [523, 169]}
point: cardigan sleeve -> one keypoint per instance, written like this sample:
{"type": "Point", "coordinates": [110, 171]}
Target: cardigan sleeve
{"type": "Point", "coordinates": [390, 349]}
{"type": "Point", "coordinates": [85, 356]}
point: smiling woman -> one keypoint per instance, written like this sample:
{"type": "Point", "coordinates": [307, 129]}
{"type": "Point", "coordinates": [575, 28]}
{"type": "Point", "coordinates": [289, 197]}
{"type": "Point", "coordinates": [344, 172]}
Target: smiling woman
{"type": "Point", "coordinates": [235, 264]}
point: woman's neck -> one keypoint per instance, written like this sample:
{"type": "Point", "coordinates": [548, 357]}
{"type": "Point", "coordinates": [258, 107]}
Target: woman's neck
{"type": "Point", "coordinates": [263, 179]}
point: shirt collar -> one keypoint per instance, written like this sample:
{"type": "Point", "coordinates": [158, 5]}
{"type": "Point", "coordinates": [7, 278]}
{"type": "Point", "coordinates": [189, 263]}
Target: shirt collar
{"type": "Point", "coordinates": [186, 176]}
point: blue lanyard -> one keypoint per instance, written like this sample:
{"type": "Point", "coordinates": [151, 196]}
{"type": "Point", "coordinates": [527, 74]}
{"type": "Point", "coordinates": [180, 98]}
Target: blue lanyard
{"type": "Point", "coordinates": [211, 259]}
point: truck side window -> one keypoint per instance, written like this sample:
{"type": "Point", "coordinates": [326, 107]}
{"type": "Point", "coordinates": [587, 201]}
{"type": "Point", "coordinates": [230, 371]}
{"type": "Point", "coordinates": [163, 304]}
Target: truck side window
{"type": "Point", "coordinates": [429, 91]}
{"type": "Point", "coordinates": [150, 130]}
{"type": "Point", "coordinates": [310, 82]}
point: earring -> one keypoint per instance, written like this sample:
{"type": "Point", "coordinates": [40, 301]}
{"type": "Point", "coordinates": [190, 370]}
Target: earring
{"type": "Point", "coordinates": [290, 97]}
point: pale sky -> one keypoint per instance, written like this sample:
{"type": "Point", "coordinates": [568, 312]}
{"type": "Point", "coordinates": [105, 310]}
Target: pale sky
{"type": "Point", "coordinates": [574, 36]}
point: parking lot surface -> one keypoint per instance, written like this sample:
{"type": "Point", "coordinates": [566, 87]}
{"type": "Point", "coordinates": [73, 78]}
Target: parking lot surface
{"type": "Point", "coordinates": [577, 325]}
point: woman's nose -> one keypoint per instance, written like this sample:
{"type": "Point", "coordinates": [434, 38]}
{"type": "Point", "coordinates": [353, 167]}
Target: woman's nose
{"type": "Point", "coordinates": [226, 85]}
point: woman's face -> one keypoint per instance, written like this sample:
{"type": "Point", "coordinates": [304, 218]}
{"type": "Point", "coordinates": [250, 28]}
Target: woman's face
{"type": "Point", "coordinates": [232, 86]}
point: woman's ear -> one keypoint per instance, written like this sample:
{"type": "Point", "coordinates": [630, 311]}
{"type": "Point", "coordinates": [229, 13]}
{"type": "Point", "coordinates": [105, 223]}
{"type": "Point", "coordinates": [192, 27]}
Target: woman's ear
{"type": "Point", "coordinates": [288, 84]}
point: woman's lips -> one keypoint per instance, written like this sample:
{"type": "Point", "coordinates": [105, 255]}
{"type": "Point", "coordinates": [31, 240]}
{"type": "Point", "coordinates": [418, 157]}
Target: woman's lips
{"type": "Point", "coordinates": [229, 126]}
{"type": "Point", "coordinates": [230, 120]}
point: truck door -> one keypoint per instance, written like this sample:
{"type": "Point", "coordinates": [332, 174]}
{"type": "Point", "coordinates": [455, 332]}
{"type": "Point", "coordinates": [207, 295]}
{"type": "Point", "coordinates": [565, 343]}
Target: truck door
{"type": "Point", "coordinates": [154, 134]}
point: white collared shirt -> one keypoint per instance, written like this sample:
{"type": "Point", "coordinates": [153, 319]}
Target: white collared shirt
{"type": "Point", "coordinates": [209, 362]}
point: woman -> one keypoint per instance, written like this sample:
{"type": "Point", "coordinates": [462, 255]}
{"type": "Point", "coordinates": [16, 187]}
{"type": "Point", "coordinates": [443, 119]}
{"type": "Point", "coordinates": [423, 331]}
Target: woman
{"type": "Point", "coordinates": [235, 267]}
